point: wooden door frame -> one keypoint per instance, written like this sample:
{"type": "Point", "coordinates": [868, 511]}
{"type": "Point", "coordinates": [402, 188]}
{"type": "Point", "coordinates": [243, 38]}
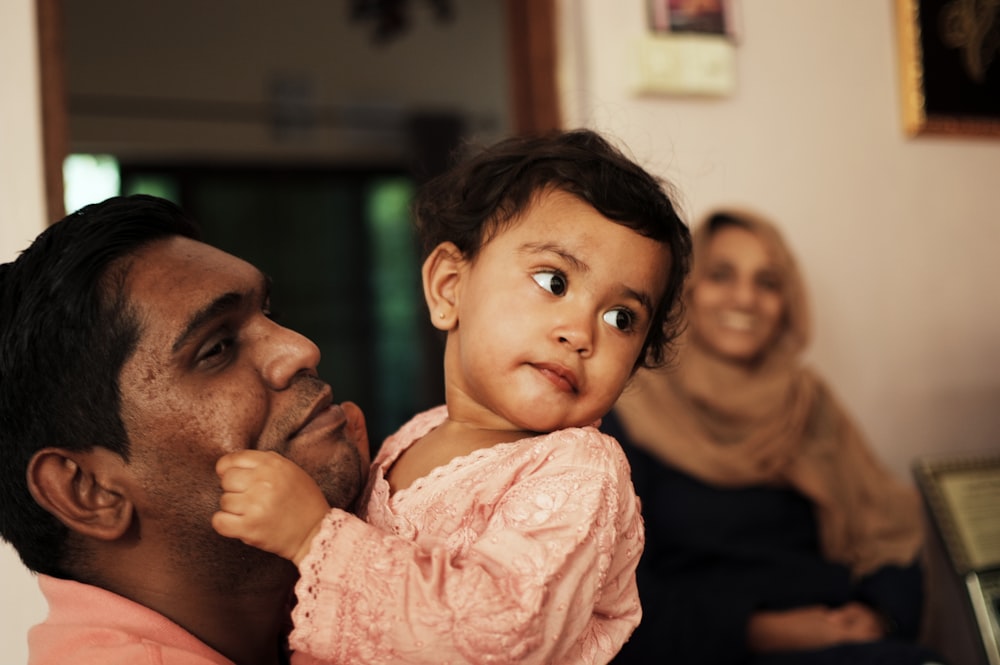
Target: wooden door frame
{"type": "Point", "coordinates": [532, 58]}
{"type": "Point", "coordinates": [52, 90]}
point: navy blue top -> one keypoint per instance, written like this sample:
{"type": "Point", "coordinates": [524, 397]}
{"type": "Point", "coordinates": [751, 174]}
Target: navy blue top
{"type": "Point", "coordinates": [714, 556]}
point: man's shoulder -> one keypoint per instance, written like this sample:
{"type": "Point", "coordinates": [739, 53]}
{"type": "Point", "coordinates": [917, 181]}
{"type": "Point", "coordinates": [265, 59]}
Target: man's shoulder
{"type": "Point", "coordinates": [90, 625]}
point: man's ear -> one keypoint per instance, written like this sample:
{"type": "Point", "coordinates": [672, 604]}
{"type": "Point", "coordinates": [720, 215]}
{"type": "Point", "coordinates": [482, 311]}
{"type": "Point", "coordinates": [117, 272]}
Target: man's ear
{"type": "Point", "coordinates": [82, 490]}
{"type": "Point", "coordinates": [442, 272]}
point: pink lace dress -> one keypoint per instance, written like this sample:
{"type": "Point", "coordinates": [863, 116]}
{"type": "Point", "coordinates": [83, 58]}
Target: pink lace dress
{"type": "Point", "coordinates": [524, 553]}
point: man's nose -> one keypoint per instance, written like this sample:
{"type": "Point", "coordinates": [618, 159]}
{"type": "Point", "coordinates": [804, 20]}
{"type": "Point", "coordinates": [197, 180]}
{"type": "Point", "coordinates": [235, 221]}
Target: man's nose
{"type": "Point", "coordinates": [285, 354]}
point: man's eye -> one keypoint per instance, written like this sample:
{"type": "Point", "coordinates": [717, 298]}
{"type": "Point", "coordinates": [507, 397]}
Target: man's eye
{"type": "Point", "coordinates": [217, 349]}
{"type": "Point", "coordinates": [620, 318]}
{"type": "Point", "coordinates": [552, 281]}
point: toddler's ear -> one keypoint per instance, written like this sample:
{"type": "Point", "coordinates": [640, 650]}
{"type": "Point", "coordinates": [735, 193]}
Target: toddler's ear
{"type": "Point", "coordinates": [442, 274]}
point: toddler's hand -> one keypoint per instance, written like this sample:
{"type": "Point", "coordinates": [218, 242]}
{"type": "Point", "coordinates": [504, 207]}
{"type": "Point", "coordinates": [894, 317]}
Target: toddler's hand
{"type": "Point", "coordinates": [268, 502]}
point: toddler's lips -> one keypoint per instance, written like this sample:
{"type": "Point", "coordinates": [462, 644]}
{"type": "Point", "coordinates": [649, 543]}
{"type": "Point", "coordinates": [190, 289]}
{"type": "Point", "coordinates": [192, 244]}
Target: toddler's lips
{"type": "Point", "coordinates": [560, 377]}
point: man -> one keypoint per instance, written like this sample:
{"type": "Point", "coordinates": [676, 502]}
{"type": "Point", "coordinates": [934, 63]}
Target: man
{"type": "Point", "coordinates": [133, 356]}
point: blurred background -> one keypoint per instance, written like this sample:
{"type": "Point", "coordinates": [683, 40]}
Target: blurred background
{"type": "Point", "coordinates": [296, 132]}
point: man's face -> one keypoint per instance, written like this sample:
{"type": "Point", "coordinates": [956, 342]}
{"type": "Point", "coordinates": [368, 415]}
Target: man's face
{"type": "Point", "coordinates": [213, 374]}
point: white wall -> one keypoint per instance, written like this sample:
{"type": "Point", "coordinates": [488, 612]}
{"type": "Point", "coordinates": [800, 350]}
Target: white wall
{"type": "Point", "coordinates": [897, 236]}
{"type": "Point", "coordinates": [21, 219]}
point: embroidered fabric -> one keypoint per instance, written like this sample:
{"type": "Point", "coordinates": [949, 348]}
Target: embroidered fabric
{"type": "Point", "coordinates": [519, 553]}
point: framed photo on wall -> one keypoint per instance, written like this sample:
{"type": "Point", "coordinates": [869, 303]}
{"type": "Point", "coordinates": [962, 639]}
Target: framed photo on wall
{"type": "Point", "coordinates": [694, 17]}
{"type": "Point", "coordinates": [950, 66]}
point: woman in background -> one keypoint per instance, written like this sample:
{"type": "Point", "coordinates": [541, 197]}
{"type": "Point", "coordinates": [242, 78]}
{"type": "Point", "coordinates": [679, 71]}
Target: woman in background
{"type": "Point", "coordinates": [774, 535]}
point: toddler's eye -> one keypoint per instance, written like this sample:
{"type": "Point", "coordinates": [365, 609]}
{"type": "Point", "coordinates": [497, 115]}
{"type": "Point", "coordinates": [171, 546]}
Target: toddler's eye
{"type": "Point", "coordinates": [552, 281]}
{"type": "Point", "coordinates": [620, 318]}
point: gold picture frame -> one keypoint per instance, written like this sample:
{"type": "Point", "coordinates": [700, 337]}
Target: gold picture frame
{"type": "Point", "coordinates": [949, 52]}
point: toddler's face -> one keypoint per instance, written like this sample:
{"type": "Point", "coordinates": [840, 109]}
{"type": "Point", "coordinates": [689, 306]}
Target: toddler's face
{"type": "Point", "coordinates": [551, 317]}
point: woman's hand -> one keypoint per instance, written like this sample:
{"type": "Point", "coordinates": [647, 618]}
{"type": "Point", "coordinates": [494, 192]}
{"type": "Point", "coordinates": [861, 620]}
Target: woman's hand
{"type": "Point", "coordinates": [813, 627]}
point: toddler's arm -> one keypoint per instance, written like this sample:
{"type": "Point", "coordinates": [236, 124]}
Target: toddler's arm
{"type": "Point", "coordinates": [268, 502]}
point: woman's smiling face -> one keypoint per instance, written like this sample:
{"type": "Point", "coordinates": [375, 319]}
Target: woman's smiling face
{"type": "Point", "coordinates": [737, 305]}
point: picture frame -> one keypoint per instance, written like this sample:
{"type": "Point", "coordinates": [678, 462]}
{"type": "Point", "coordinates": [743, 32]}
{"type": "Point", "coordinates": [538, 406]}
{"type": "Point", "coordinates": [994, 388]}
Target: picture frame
{"type": "Point", "coordinates": [715, 18]}
{"type": "Point", "coordinates": [949, 52]}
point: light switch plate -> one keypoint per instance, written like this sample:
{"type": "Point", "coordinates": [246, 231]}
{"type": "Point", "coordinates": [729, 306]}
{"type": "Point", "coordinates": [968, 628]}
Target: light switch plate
{"type": "Point", "coordinates": [684, 65]}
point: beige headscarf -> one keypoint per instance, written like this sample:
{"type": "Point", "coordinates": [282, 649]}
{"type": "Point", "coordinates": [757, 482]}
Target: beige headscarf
{"type": "Point", "coordinates": [774, 423]}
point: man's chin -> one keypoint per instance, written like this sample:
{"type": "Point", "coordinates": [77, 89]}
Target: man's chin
{"type": "Point", "coordinates": [343, 478]}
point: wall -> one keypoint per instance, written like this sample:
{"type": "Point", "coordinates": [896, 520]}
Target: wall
{"type": "Point", "coordinates": [896, 236]}
{"type": "Point", "coordinates": [21, 219]}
